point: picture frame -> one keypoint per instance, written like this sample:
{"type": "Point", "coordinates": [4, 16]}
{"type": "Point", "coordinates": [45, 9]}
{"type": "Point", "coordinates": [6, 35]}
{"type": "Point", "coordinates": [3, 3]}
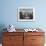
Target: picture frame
{"type": "Point", "coordinates": [26, 14]}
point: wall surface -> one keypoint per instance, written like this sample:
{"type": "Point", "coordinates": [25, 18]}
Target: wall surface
{"type": "Point", "coordinates": [8, 13]}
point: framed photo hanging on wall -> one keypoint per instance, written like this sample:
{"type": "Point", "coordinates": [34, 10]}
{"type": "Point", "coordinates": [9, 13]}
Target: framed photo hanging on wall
{"type": "Point", "coordinates": [26, 14]}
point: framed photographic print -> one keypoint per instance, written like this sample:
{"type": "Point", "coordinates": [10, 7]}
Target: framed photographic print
{"type": "Point", "coordinates": [26, 14]}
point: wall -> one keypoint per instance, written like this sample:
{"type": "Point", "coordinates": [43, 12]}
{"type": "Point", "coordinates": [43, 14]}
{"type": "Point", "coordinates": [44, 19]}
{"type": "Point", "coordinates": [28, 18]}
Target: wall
{"type": "Point", "coordinates": [9, 13]}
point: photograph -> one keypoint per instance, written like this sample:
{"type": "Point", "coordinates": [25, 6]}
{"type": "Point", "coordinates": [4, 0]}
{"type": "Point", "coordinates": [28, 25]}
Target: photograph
{"type": "Point", "coordinates": [26, 14]}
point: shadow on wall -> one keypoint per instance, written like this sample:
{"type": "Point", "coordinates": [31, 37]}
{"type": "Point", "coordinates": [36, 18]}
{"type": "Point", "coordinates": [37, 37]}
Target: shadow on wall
{"type": "Point", "coordinates": [2, 26]}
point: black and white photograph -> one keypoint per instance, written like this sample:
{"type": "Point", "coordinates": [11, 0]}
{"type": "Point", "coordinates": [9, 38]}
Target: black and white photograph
{"type": "Point", "coordinates": [26, 14]}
